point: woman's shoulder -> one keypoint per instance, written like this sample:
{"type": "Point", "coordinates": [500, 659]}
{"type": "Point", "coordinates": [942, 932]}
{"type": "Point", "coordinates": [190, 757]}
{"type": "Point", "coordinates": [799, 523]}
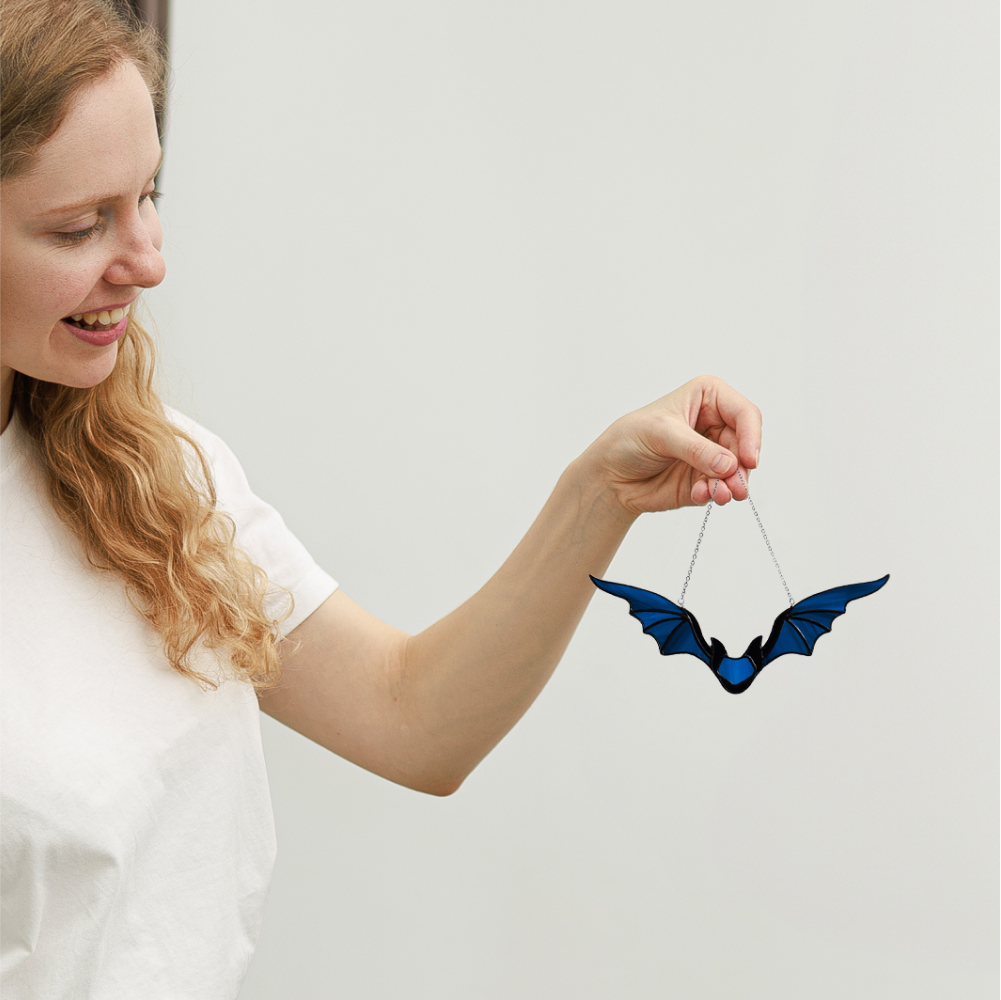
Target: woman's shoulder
{"type": "Point", "coordinates": [192, 428]}
{"type": "Point", "coordinates": [215, 448]}
{"type": "Point", "coordinates": [227, 473]}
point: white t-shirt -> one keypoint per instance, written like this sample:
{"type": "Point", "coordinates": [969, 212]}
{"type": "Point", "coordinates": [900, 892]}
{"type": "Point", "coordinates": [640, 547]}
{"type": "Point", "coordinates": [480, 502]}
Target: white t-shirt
{"type": "Point", "coordinates": [137, 833]}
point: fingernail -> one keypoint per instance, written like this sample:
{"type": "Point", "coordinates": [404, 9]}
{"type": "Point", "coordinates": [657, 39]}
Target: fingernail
{"type": "Point", "coordinates": [722, 463]}
{"type": "Point", "coordinates": [757, 455]}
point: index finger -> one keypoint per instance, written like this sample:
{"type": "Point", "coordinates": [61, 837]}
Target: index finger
{"type": "Point", "coordinates": [742, 415]}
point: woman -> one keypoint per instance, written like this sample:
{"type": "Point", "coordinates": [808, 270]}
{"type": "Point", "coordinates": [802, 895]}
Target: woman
{"type": "Point", "coordinates": [149, 596]}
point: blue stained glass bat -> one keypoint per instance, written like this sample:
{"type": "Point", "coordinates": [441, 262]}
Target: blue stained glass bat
{"type": "Point", "coordinates": [796, 630]}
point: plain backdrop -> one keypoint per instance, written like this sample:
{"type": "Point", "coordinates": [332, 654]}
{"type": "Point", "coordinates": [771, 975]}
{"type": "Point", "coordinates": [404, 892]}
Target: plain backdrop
{"type": "Point", "coordinates": [419, 256]}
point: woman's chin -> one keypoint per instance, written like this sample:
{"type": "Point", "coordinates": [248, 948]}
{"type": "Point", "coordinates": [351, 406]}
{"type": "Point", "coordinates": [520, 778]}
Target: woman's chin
{"type": "Point", "coordinates": [86, 372]}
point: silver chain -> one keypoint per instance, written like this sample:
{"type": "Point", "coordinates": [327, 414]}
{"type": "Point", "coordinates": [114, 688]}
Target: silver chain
{"type": "Point", "coordinates": [691, 566]}
{"type": "Point", "coordinates": [705, 521]}
{"type": "Point", "coordinates": [765, 537]}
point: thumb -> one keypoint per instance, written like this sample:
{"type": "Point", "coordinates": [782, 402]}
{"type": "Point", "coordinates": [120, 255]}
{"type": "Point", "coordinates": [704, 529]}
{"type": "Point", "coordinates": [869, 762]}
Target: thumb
{"type": "Point", "coordinates": [707, 457]}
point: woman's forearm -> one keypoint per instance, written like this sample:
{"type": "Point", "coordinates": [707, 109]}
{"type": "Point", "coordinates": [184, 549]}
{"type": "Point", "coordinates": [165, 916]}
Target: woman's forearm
{"type": "Point", "coordinates": [468, 678]}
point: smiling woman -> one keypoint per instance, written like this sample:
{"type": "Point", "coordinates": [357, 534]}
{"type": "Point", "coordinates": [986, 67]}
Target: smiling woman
{"type": "Point", "coordinates": [138, 838]}
{"type": "Point", "coordinates": [80, 241]}
{"type": "Point", "coordinates": [113, 532]}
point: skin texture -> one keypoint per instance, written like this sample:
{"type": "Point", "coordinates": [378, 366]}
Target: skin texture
{"type": "Point", "coordinates": [96, 171]}
{"type": "Point", "coordinates": [421, 710]}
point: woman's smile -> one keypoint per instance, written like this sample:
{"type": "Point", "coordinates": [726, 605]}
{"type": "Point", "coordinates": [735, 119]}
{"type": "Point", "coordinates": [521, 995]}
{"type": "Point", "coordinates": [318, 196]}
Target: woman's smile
{"type": "Point", "coordinates": [100, 318]}
{"type": "Point", "coordinates": [99, 328]}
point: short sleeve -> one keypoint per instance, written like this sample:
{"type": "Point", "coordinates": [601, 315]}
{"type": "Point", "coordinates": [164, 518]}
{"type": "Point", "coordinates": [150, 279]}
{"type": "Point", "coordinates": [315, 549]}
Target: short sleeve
{"type": "Point", "coordinates": [261, 533]}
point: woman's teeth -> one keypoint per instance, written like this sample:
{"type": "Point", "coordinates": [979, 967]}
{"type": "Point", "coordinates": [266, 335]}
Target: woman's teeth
{"type": "Point", "coordinates": [104, 318]}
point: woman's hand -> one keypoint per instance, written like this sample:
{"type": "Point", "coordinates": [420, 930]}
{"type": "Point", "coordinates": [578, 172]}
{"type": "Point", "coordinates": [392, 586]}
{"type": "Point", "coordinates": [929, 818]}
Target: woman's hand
{"type": "Point", "coordinates": [670, 453]}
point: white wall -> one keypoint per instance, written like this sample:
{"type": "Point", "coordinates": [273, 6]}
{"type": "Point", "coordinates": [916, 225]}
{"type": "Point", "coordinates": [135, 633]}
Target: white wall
{"type": "Point", "coordinates": [419, 255]}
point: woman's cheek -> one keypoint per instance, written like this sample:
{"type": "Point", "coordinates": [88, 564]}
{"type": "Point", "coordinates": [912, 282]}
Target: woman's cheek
{"type": "Point", "coordinates": [70, 291]}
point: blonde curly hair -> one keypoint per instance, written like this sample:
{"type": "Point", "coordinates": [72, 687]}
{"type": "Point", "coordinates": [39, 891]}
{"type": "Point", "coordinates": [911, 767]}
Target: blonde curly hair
{"type": "Point", "coordinates": [131, 485]}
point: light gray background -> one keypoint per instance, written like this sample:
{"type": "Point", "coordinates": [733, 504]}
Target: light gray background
{"type": "Point", "coordinates": [419, 256]}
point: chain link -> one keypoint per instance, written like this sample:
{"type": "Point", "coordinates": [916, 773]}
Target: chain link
{"type": "Point", "coordinates": [705, 521]}
{"type": "Point", "coordinates": [691, 566]}
{"type": "Point", "coordinates": [765, 537]}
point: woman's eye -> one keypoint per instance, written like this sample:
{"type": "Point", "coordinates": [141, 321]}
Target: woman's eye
{"type": "Point", "coordinates": [79, 235]}
{"type": "Point", "coordinates": [76, 236]}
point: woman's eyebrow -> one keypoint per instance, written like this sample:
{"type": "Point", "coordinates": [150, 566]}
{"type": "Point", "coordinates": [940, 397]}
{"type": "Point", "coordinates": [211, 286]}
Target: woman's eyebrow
{"type": "Point", "coordinates": [92, 201]}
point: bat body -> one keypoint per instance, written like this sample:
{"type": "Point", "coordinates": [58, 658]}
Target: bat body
{"type": "Point", "coordinates": [796, 630]}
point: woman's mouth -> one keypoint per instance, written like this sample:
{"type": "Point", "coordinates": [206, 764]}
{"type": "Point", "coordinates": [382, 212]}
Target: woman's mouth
{"type": "Point", "coordinates": [98, 321]}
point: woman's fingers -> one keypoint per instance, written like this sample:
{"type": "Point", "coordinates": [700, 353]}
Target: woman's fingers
{"type": "Point", "coordinates": [705, 488]}
{"type": "Point", "coordinates": [678, 440]}
{"type": "Point", "coordinates": [740, 414]}
{"type": "Point", "coordinates": [693, 445]}
{"type": "Point", "coordinates": [736, 422]}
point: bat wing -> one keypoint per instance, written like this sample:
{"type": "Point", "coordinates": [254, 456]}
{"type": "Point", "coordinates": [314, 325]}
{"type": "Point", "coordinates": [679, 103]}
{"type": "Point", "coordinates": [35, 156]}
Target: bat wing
{"type": "Point", "coordinates": [798, 629]}
{"type": "Point", "coordinates": [674, 628]}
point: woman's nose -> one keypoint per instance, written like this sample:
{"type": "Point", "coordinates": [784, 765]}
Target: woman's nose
{"type": "Point", "coordinates": [138, 260]}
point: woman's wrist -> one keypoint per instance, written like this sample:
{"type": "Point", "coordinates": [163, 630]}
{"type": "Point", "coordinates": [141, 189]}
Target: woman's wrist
{"type": "Point", "coordinates": [598, 495]}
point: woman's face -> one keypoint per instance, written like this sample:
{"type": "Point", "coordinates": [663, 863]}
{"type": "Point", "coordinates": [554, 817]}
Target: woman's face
{"type": "Point", "coordinates": [79, 236]}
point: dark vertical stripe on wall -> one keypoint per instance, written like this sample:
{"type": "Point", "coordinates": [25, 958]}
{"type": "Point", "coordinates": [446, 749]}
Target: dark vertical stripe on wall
{"type": "Point", "coordinates": [153, 12]}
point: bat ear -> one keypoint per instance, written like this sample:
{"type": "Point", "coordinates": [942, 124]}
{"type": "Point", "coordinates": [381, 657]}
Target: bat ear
{"type": "Point", "coordinates": [754, 649]}
{"type": "Point", "coordinates": [717, 652]}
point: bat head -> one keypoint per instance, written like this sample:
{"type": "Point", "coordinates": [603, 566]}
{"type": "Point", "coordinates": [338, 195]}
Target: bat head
{"type": "Point", "coordinates": [735, 675]}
